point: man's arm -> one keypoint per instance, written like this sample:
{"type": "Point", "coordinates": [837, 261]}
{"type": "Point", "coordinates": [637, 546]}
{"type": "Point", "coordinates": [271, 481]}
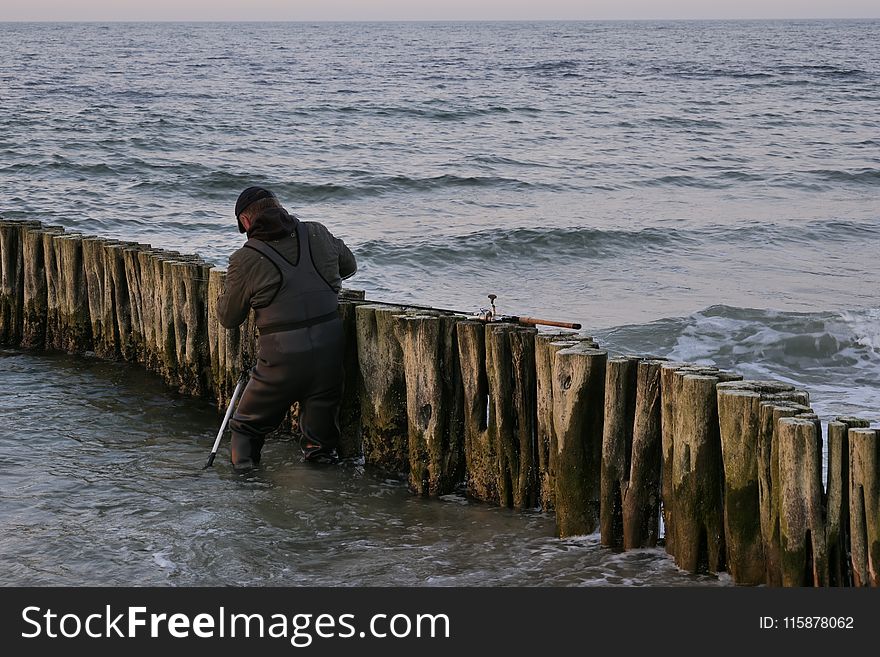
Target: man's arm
{"type": "Point", "coordinates": [234, 303]}
{"type": "Point", "coordinates": [333, 259]}
{"type": "Point", "coordinates": [347, 263]}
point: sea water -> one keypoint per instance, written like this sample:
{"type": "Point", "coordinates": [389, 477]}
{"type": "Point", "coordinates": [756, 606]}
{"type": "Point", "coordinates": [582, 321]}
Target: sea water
{"type": "Point", "coordinates": [706, 191]}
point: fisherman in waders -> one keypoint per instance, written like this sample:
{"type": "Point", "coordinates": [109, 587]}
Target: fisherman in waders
{"type": "Point", "coordinates": [290, 272]}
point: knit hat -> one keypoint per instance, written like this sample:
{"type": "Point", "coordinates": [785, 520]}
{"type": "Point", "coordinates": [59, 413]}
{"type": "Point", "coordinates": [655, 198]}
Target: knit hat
{"type": "Point", "coordinates": [248, 196]}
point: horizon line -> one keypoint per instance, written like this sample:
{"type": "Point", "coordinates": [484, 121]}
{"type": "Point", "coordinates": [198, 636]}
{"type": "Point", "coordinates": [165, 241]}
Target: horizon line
{"type": "Point", "coordinates": [439, 20]}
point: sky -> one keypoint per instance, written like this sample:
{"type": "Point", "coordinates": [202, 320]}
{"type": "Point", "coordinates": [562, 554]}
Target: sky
{"type": "Point", "coordinates": [380, 10]}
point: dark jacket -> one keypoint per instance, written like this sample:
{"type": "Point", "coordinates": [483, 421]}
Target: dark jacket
{"type": "Point", "coordinates": [251, 280]}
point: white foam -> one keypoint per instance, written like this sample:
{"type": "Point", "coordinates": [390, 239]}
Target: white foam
{"type": "Point", "coordinates": [163, 562]}
{"type": "Point", "coordinates": [834, 356]}
{"type": "Point", "coordinates": [865, 325]}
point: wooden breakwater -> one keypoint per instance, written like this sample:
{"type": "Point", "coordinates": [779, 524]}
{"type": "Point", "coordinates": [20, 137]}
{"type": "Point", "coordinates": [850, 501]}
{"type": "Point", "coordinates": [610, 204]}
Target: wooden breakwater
{"type": "Point", "coordinates": [626, 445]}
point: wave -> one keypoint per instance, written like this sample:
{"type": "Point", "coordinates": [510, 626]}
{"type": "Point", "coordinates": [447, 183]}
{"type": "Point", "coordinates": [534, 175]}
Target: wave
{"type": "Point", "coordinates": [685, 122]}
{"type": "Point", "coordinates": [192, 177]}
{"type": "Point", "coordinates": [858, 176]}
{"type": "Point", "coordinates": [579, 243]}
{"type": "Point", "coordinates": [835, 356]}
{"type": "Point", "coordinates": [534, 243]}
{"type": "Point", "coordinates": [370, 185]}
{"type": "Point", "coordinates": [813, 179]}
{"type": "Point", "coordinates": [822, 70]}
{"type": "Point", "coordinates": [694, 73]}
{"type": "Point", "coordinates": [564, 66]}
{"type": "Point", "coordinates": [773, 74]}
{"type": "Point", "coordinates": [449, 113]}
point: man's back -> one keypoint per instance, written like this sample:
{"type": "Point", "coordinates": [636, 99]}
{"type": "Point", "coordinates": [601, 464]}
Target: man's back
{"type": "Point", "coordinates": [252, 280]}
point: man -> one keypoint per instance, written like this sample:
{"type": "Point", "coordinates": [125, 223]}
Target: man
{"type": "Point", "coordinates": [290, 272]}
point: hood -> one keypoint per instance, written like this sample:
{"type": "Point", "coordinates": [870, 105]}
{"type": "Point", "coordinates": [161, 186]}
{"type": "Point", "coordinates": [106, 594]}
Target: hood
{"type": "Point", "coordinates": [272, 224]}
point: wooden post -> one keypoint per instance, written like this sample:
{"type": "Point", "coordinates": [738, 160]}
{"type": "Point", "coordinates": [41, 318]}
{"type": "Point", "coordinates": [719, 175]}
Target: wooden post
{"type": "Point", "coordinates": [454, 390]}
{"type": "Point", "coordinates": [168, 332]}
{"type": "Point", "coordinates": [864, 505]}
{"type": "Point", "coordinates": [223, 376]}
{"type": "Point", "coordinates": [11, 267]}
{"type": "Point", "coordinates": [36, 301]}
{"type": "Point", "coordinates": [383, 396]}
{"type": "Point", "coordinates": [481, 479]}
{"type": "Point", "coordinates": [667, 442]}
{"type": "Point", "coordinates": [801, 514]}
{"type": "Point", "coordinates": [739, 414]}
{"type": "Point", "coordinates": [151, 287]}
{"type": "Point", "coordinates": [53, 293]}
{"type": "Point", "coordinates": [671, 379]}
{"type": "Point", "coordinates": [117, 300]}
{"type": "Point", "coordinates": [769, 482]}
{"type": "Point", "coordinates": [101, 319]}
{"type": "Point", "coordinates": [617, 437]}
{"type": "Point", "coordinates": [641, 503]}
{"type": "Point", "coordinates": [578, 402]}
{"type": "Point", "coordinates": [136, 352]}
{"type": "Point", "coordinates": [350, 444]}
{"type": "Point", "coordinates": [189, 313]}
{"type": "Point", "coordinates": [696, 476]}
{"type": "Point", "coordinates": [837, 501]}
{"type": "Point", "coordinates": [432, 399]}
{"type": "Point", "coordinates": [546, 346]}
{"type": "Point", "coordinates": [510, 370]}
{"type": "Point", "coordinates": [12, 279]}
{"type": "Point", "coordinates": [67, 324]}
{"type": "Point", "coordinates": [148, 292]}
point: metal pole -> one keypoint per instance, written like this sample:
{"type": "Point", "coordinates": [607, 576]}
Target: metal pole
{"type": "Point", "coordinates": [238, 388]}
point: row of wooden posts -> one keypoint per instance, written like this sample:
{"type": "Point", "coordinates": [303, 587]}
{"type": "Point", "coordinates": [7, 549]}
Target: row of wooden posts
{"type": "Point", "coordinates": [731, 469]}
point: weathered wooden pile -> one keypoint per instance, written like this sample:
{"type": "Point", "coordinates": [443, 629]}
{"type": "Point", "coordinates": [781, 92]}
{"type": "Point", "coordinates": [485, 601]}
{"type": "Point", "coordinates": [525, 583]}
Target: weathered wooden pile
{"type": "Point", "coordinates": [731, 469]}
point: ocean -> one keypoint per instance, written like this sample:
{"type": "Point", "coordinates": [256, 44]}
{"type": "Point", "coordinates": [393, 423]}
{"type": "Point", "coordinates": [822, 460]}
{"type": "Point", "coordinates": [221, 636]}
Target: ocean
{"type": "Point", "coordinates": [706, 191]}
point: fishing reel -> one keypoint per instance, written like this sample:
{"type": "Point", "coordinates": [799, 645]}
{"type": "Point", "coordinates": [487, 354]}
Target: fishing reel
{"type": "Point", "coordinates": [488, 314]}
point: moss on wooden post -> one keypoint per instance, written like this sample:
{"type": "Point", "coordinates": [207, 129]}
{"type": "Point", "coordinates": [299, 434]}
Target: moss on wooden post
{"type": "Point", "coordinates": [12, 279]}
{"type": "Point", "coordinates": [149, 291]}
{"type": "Point", "coordinates": [189, 314]}
{"type": "Point", "coordinates": [739, 414]}
{"type": "Point", "coordinates": [696, 475]}
{"type": "Point", "coordinates": [864, 505]}
{"type": "Point", "coordinates": [53, 292]}
{"type": "Point", "coordinates": [769, 482]}
{"type": "Point", "coordinates": [117, 299]}
{"type": "Point", "coordinates": [168, 330]}
{"type": "Point", "coordinates": [546, 346]}
{"type": "Point", "coordinates": [803, 554]}
{"type": "Point", "coordinates": [837, 500]}
{"type": "Point", "coordinates": [383, 396]}
{"type": "Point", "coordinates": [671, 375]}
{"type": "Point", "coordinates": [578, 402]}
{"type": "Point", "coordinates": [350, 444]}
{"type": "Point", "coordinates": [36, 291]}
{"type": "Point", "coordinates": [641, 504]}
{"type": "Point", "coordinates": [222, 375]}
{"type": "Point", "coordinates": [481, 478]}
{"type": "Point", "coordinates": [67, 322]}
{"type": "Point", "coordinates": [510, 370]}
{"type": "Point", "coordinates": [101, 319]}
{"type": "Point", "coordinates": [617, 436]}
{"type": "Point", "coordinates": [433, 402]}
{"type": "Point", "coordinates": [136, 350]}
{"type": "Point", "coordinates": [667, 443]}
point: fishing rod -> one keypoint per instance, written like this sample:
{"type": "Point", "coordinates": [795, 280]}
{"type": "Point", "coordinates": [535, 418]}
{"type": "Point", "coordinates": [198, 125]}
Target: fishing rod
{"type": "Point", "coordinates": [484, 314]}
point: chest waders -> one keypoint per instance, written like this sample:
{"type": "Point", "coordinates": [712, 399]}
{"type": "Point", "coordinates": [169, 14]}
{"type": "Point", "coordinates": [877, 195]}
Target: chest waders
{"type": "Point", "coordinates": [299, 358]}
